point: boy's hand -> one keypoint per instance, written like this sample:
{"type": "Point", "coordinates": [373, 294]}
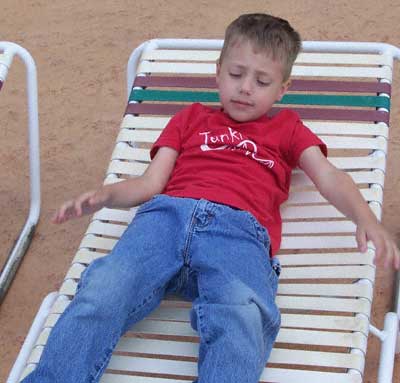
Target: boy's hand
{"type": "Point", "coordinates": [386, 251]}
{"type": "Point", "coordinates": [86, 203]}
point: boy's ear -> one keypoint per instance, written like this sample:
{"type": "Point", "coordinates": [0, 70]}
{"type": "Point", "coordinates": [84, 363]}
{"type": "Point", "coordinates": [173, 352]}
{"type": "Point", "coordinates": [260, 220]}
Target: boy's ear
{"type": "Point", "coordinates": [284, 89]}
{"type": "Point", "coordinates": [218, 64]}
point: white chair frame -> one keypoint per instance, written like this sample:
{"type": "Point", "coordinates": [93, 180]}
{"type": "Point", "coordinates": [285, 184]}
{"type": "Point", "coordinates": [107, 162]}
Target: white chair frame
{"type": "Point", "coordinates": [9, 50]}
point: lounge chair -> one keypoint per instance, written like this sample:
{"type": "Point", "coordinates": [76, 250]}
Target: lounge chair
{"type": "Point", "coordinates": [343, 93]}
{"type": "Point", "coordinates": [8, 52]}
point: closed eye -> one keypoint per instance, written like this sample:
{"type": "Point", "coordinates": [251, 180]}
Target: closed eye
{"type": "Point", "coordinates": [263, 83]}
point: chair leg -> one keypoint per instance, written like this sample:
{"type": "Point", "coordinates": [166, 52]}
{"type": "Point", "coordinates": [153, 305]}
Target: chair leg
{"type": "Point", "coordinates": [389, 340]}
{"type": "Point", "coordinates": [31, 338]}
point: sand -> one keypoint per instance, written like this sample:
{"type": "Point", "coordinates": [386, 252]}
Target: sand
{"type": "Point", "coordinates": [81, 49]}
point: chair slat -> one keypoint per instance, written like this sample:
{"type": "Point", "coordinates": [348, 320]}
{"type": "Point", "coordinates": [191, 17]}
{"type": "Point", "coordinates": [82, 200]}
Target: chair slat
{"type": "Point", "coordinates": [309, 58]}
{"type": "Point", "coordinates": [332, 272]}
{"type": "Point", "coordinates": [327, 258]}
{"type": "Point", "coordinates": [108, 229]}
{"type": "Point", "coordinates": [126, 168]}
{"type": "Point", "coordinates": [318, 242]}
{"type": "Point", "coordinates": [144, 122]}
{"type": "Point", "coordinates": [342, 128]}
{"type": "Point", "coordinates": [282, 356]}
{"type": "Point", "coordinates": [310, 197]}
{"type": "Point", "coordinates": [299, 179]}
{"type": "Point", "coordinates": [94, 242]}
{"type": "Point", "coordinates": [272, 375]}
{"type": "Point", "coordinates": [316, 211]}
{"type": "Point", "coordinates": [117, 378]}
{"type": "Point", "coordinates": [129, 153]}
{"type": "Point", "coordinates": [318, 227]}
{"type": "Point", "coordinates": [314, 71]}
{"type": "Point", "coordinates": [138, 135]}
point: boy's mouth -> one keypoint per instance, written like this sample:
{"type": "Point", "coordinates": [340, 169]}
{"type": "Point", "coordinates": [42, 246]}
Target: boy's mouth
{"type": "Point", "coordinates": [242, 103]}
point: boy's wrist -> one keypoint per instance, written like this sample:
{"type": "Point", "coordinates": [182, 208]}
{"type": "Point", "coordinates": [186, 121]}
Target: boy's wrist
{"type": "Point", "coordinates": [105, 194]}
{"type": "Point", "coordinates": [365, 216]}
{"type": "Point", "coordinates": [366, 220]}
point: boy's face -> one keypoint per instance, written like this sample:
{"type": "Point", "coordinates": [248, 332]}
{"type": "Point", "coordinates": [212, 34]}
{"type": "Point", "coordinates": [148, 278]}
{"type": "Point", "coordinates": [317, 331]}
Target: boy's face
{"type": "Point", "coordinates": [249, 82]}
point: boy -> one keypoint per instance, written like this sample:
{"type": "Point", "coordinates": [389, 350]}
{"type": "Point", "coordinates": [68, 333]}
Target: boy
{"type": "Point", "coordinates": [210, 234]}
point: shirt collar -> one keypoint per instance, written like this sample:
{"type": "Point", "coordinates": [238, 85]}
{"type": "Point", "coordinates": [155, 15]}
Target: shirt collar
{"type": "Point", "coordinates": [262, 119]}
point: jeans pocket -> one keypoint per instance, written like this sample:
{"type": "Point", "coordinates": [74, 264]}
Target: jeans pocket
{"type": "Point", "coordinates": [274, 274]}
{"type": "Point", "coordinates": [260, 232]}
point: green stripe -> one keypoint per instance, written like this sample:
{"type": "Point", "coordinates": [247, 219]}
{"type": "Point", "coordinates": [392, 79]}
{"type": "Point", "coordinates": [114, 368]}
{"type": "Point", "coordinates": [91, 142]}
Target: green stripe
{"type": "Point", "coordinates": [290, 99]}
{"type": "Point", "coordinates": [171, 95]}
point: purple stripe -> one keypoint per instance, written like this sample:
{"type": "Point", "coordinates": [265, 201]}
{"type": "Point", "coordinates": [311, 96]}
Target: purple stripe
{"type": "Point", "coordinates": [305, 113]}
{"type": "Point", "coordinates": [340, 86]}
{"type": "Point", "coordinates": [1, 84]}
{"type": "Point", "coordinates": [297, 85]}
{"type": "Point", "coordinates": [341, 114]}
{"type": "Point", "coordinates": [175, 82]}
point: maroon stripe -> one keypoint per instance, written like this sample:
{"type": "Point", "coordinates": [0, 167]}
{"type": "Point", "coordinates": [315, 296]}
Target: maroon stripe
{"type": "Point", "coordinates": [1, 84]}
{"type": "Point", "coordinates": [340, 86]}
{"type": "Point", "coordinates": [296, 85]}
{"type": "Point", "coordinates": [342, 114]}
{"type": "Point", "coordinates": [157, 109]}
{"type": "Point", "coordinates": [305, 113]}
{"type": "Point", "coordinates": [175, 82]}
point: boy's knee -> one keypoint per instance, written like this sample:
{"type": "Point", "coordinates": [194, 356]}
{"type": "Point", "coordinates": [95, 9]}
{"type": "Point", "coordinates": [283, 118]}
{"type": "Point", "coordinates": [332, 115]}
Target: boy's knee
{"type": "Point", "coordinates": [213, 320]}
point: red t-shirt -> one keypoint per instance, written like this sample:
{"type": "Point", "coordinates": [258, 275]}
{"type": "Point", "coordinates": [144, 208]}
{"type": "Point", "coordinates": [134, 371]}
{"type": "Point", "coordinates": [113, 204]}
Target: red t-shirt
{"type": "Point", "coordinates": [246, 165]}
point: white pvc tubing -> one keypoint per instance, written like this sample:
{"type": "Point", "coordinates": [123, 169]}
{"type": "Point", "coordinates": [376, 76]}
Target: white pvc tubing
{"type": "Point", "coordinates": [386, 363]}
{"type": "Point", "coordinates": [5, 65]}
{"type": "Point", "coordinates": [31, 338]}
{"type": "Point", "coordinates": [22, 243]}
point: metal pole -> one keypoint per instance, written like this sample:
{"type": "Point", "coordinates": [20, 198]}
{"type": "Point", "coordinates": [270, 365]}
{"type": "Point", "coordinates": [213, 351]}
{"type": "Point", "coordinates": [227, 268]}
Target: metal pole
{"type": "Point", "coordinates": [17, 252]}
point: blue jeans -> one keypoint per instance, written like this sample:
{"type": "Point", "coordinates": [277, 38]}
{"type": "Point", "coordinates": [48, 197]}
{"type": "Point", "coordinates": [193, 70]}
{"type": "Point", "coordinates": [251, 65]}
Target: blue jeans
{"type": "Point", "coordinates": [211, 254]}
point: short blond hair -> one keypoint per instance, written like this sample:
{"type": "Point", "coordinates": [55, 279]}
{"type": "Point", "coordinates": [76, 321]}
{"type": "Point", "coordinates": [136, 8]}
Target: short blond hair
{"type": "Point", "coordinates": [270, 34]}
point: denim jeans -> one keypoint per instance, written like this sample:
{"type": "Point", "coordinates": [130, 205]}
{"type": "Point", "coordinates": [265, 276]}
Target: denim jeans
{"type": "Point", "coordinates": [213, 255]}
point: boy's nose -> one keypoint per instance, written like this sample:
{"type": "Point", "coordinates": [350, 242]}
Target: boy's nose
{"type": "Point", "coordinates": [246, 86]}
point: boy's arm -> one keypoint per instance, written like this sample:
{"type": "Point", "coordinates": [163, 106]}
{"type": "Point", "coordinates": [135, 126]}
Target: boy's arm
{"type": "Point", "coordinates": [339, 189]}
{"type": "Point", "coordinates": [124, 194]}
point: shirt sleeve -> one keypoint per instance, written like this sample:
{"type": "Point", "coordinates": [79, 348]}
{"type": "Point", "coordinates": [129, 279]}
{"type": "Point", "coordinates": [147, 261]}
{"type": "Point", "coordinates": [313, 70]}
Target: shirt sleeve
{"type": "Point", "coordinates": [171, 136]}
{"type": "Point", "coordinates": [301, 139]}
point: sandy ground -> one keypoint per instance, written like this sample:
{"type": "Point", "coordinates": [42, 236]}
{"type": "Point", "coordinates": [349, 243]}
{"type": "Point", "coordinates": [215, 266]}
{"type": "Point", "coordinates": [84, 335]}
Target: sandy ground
{"type": "Point", "coordinates": [81, 49]}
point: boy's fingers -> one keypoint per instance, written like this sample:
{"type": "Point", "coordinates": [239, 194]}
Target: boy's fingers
{"type": "Point", "coordinates": [396, 257]}
{"type": "Point", "coordinates": [64, 213]}
{"type": "Point", "coordinates": [81, 202]}
{"type": "Point", "coordinates": [75, 208]}
{"type": "Point", "coordinates": [78, 208]}
{"type": "Point", "coordinates": [361, 238]}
